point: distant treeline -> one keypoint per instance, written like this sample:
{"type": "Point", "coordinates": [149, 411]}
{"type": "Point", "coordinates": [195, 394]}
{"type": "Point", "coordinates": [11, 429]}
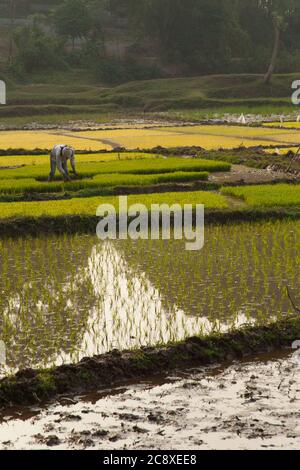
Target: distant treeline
{"type": "Point", "coordinates": [162, 37]}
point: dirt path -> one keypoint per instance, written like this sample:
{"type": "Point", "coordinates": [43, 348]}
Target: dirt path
{"type": "Point", "coordinates": [250, 405]}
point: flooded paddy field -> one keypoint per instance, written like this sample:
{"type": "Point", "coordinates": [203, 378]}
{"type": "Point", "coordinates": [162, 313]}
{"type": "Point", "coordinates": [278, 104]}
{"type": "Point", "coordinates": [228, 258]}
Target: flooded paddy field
{"type": "Point", "coordinates": [245, 405]}
{"type": "Point", "coordinates": [67, 297]}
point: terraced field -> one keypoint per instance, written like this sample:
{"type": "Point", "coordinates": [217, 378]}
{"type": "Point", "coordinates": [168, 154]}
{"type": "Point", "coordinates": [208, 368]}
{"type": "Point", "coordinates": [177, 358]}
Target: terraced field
{"type": "Point", "coordinates": [208, 137]}
{"type": "Point", "coordinates": [99, 175]}
{"type": "Point", "coordinates": [280, 195]}
{"type": "Point", "coordinates": [88, 206]}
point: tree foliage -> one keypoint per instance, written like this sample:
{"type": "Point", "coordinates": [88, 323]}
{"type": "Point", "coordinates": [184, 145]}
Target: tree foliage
{"type": "Point", "coordinates": [186, 36]}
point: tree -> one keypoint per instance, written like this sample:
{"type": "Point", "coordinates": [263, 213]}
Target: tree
{"type": "Point", "coordinates": [72, 19]}
{"type": "Point", "coordinates": [12, 22]}
{"type": "Point", "coordinates": [36, 51]}
{"type": "Point", "coordinates": [280, 12]}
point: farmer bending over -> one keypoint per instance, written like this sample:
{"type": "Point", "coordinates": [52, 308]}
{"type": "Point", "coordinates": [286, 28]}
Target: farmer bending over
{"type": "Point", "coordinates": [59, 157]}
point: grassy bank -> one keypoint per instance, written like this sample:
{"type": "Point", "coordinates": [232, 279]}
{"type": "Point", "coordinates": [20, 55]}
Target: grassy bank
{"type": "Point", "coordinates": [191, 98]}
{"type": "Point", "coordinates": [34, 386]}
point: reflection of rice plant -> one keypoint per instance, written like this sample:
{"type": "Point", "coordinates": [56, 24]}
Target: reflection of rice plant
{"type": "Point", "coordinates": [239, 276]}
{"type": "Point", "coordinates": [39, 316]}
{"type": "Point", "coordinates": [59, 304]}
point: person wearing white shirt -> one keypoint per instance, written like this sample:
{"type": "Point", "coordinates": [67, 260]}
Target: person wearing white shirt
{"type": "Point", "coordinates": [59, 157]}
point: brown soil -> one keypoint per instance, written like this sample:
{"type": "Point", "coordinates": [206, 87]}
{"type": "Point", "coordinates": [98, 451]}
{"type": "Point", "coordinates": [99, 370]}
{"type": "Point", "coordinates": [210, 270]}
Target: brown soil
{"type": "Point", "coordinates": [241, 174]}
{"type": "Point", "coordinates": [252, 404]}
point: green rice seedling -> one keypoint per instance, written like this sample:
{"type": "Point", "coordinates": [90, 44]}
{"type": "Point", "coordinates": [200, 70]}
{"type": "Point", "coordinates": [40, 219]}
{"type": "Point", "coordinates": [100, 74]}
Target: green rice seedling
{"type": "Point", "coordinates": [59, 305]}
{"type": "Point", "coordinates": [137, 167]}
{"type": "Point", "coordinates": [88, 206]}
{"type": "Point", "coordinates": [279, 195]}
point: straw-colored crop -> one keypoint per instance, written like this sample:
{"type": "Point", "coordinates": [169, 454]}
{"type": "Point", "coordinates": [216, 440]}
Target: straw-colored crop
{"type": "Point", "coordinates": [19, 160]}
{"type": "Point", "coordinates": [281, 151]}
{"type": "Point", "coordinates": [209, 137]}
{"type": "Point", "coordinates": [46, 140]}
{"type": "Point", "coordinates": [286, 125]}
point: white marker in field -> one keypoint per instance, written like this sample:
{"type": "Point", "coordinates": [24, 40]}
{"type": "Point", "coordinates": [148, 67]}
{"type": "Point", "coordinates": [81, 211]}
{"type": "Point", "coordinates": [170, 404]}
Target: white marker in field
{"type": "Point", "coordinates": [298, 118]}
{"type": "Point", "coordinates": [2, 92]}
{"type": "Point", "coordinates": [242, 119]}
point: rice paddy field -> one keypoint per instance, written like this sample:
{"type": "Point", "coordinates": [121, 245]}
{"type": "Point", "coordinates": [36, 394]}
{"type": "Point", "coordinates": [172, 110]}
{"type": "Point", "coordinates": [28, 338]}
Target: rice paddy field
{"type": "Point", "coordinates": [70, 296]}
{"type": "Point", "coordinates": [280, 195]}
{"type": "Point", "coordinates": [67, 297]}
{"type": "Point", "coordinates": [208, 137]}
{"type": "Point", "coordinates": [100, 174]}
{"type": "Point", "coordinates": [286, 124]}
{"type": "Point", "coordinates": [88, 205]}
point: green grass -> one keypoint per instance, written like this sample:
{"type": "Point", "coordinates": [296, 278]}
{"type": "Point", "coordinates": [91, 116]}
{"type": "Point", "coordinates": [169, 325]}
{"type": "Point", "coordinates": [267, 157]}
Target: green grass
{"type": "Point", "coordinates": [187, 98]}
{"type": "Point", "coordinates": [88, 206]}
{"type": "Point", "coordinates": [159, 166]}
{"type": "Point", "coordinates": [30, 186]}
{"type": "Point", "coordinates": [279, 195]}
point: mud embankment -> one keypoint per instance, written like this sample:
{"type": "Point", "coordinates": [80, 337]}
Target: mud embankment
{"type": "Point", "coordinates": [35, 386]}
{"type": "Point", "coordinates": [77, 224]}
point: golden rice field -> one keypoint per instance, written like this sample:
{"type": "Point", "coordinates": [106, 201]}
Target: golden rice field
{"type": "Point", "coordinates": [20, 160]}
{"type": "Point", "coordinates": [208, 137]}
{"type": "Point", "coordinates": [287, 125]}
{"type": "Point", "coordinates": [281, 151]}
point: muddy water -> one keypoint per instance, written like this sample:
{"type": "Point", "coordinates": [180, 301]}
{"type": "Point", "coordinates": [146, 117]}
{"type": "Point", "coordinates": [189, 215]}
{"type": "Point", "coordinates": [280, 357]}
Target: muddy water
{"type": "Point", "coordinates": [250, 405]}
{"type": "Point", "coordinates": [63, 298]}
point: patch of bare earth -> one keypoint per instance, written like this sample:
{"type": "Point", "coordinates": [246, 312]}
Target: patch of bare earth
{"type": "Point", "coordinates": [241, 174]}
{"type": "Point", "coordinates": [250, 405]}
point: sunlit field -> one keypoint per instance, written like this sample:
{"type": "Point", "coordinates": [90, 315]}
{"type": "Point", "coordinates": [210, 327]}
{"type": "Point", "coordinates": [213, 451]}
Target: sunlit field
{"type": "Point", "coordinates": [31, 186]}
{"type": "Point", "coordinates": [281, 151]}
{"type": "Point", "coordinates": [88, 206]}
{"type": "Point", "coordinates": [279, 195]}
{"type": "Point", "coordinates": [134, 167]}
{"type": "Point", "coordinates": [287, 124]}
{"type": "Point", "coordinates": [208, 137]}
{"type": "Point", "coordinates": [20, 160]}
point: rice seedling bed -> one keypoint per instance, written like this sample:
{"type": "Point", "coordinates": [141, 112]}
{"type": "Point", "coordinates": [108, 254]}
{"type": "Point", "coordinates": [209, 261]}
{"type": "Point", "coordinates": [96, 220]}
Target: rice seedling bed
{"type": "Point", "coordinates": [32, 186]}
{"type": "Point", "coordinates": [136, 167]}
{"type": "Point", "coordinates": [279, 195]}
{"type": "Point", "coordinates": [88, 206]}
{"type": "Point", "coordinates": [20, 160]}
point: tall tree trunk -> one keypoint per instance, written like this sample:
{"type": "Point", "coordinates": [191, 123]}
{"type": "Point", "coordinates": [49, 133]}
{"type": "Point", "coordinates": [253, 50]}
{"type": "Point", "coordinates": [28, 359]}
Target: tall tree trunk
{"type": "Point", "coordinates": [272, 65]}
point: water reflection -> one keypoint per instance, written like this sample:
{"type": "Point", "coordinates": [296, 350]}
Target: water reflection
{"type": "Point", "coordinates": [130, 312]}
{"type": "Point", "coordinates": [63, 298]}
